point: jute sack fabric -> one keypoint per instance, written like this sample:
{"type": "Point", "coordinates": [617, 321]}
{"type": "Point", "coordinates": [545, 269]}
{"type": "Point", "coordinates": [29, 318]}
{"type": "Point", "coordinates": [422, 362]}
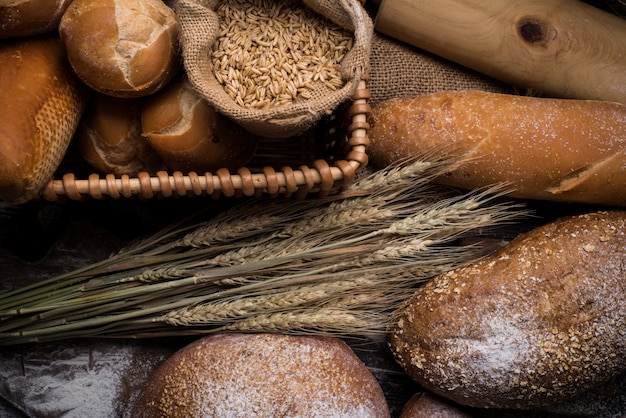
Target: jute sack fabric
{"type": "Point", "coordinates": [199, 26]}
{"type": "Point", "coordinates": [401, 70]}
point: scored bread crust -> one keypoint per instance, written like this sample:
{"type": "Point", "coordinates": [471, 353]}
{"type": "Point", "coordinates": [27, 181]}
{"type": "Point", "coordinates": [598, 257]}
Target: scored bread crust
{"type": "Point", "coordinates": [42, 102]}
{"type": "Point", "coordinates": [190, 135]}
{"type": "Point", "coordinates": [262, 375]}
{"type": "Point", "coordinates": [109, 137]}
{"type": "Point", "coordinates": [535, 324]}
{"type": "Point", "coordinates": [123, 48]}
{"type": "Point", "coordinates": [550, 149]}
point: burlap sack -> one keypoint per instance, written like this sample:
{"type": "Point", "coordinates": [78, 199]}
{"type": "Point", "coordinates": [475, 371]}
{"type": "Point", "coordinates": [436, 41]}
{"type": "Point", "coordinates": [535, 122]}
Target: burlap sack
{"type": "Point", "coordinates": [199, 25]}
{"type": "Point", "coordinates": [401, 70]}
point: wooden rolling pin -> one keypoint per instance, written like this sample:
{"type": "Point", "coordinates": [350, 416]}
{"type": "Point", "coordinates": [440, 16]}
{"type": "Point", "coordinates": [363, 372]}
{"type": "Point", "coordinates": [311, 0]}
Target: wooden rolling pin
{"type": "Point", "coordinates": [563, 48]}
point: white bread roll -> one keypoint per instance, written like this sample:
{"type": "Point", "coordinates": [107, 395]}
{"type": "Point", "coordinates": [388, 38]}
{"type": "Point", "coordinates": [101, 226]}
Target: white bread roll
{"type": "Point", "coordinates": [262, 375]}
{"type": "Point", "coordinates": [190, 135]}
{"type": "Point", "coordinates": [30, 17]}
{"type": "Point", "coordinates": [123, 48]}
{"type": "Point", "coordinates": [536, 324]}
{"type": "Point", "coordinates": [549, 149]}
{"type": "Point", "coordinates": [42, 102]}
{"type": "Point", "coordinates": [109, 137]}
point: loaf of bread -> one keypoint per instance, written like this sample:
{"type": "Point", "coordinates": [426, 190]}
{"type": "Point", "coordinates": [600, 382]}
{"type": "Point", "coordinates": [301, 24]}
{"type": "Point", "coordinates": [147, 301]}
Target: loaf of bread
{"type": "Point", "coordinates": [549, 149]}
{"type": "Point", "coordinates": [428, 405]}
{"type": "Point", "coordinates": [42, 102]}
{"type": "Point", "coordinates": [262, 375]}
{"type": "Point", "coordinates": [190, 135]}
{"type": "Point", "coordinates": [124, 48]}
{"type": "Point", "coordinates": [109, 137]}
{"type": "Point", "coordinates": [539, 322]}
{"type": "Point", "coordinates": [30, 17]}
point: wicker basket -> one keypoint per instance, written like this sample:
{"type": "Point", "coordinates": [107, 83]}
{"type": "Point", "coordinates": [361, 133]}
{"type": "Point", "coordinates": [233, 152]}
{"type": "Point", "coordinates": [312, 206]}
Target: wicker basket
{"type": "Point", "coordinates": [324, 160]}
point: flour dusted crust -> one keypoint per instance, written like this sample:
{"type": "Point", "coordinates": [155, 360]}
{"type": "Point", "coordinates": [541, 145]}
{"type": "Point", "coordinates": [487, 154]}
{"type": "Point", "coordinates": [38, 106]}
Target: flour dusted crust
{"type": "Point", "coordinates": [124, 48]}
{"type": "Point", "coordinates": [428, 405]}
{"type": "Point", "coordinates": [548, 149]}
{"type": "Point", "coordinates": [262, 375]}
{"type": "Point", "coordinates": [539, 322]}
{"type": "Point", "coordinates": [30, 17]}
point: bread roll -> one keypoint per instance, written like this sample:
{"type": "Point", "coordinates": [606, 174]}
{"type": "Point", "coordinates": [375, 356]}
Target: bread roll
{"type": "Point", "coordinates": [30, 17]}
{"type": "Point", "coordinates": [549, 149]}
{"type": "Point", "coordinates": [427, 405]}
{"type": "Point", "coordinates": [42, 102]}
{"type": "Point", "coordinates": [262, 375]}
{"type": "Point", "coordinates": [190, 135]}
{"type": "Point", "coordinates": [109, 137]}
{"type": "Point", "coordinates": [535, 324]}
{"type": "Point", "coordinates": [123, 48]}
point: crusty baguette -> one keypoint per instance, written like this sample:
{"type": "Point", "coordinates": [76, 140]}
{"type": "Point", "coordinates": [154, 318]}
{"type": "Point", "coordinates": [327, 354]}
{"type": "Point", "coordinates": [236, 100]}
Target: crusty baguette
{"type": "Point", "coordinates": [550, 149]}
{"type": "Point", "coordinates": [123, 48]}
{"type": "Point", "coordinates": [42, 102]}
{"type": "Point", "coordinates": [30, 17]}
{"type": "Point", "coordinates": [539, 322]}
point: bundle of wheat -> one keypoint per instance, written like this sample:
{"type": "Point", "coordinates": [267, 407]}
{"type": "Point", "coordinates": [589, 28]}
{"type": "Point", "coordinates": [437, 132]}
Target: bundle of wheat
{"type": "Point", "coordinates": [330, 266]}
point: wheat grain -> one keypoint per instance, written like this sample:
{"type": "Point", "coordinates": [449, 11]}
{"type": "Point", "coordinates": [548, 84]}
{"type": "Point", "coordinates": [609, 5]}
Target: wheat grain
{"type": "Point", "coordinates": [320, 321]}
{"type": "Point", "coordinates": [286, 298]}
{"type": "Point", "coordinates": [280, 45]}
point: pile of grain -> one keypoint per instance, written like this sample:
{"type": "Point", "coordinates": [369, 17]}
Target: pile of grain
{"type": "Point", "coordinates": [271, 53]}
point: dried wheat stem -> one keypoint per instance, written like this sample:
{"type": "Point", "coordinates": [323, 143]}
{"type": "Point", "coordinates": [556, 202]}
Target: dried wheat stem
{"type": "Point", "coordinates": [244, 306]}
{"type": "Point", "coordinates": [326, 320]}
{"type": "Point", "coordinates": [229, 230]}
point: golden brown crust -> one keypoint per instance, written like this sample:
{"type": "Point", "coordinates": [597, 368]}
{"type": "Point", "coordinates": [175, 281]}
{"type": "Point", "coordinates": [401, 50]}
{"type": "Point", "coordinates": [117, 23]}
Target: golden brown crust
{"type": "Point", "coordinates": [30, 17]}
{"type": "Point", "coordinates": [262, 375]}
{"type": "Point", "coordinates": [190, 135]}
{"type": "Point", "coordinates": [42, 102]}
{"type": "Point", "coordinates": [123, 48]}
{"type": "Point", "coordinates": [552, 149]}
{"type": "Point", "coordinates": [540, 321]}
{"type": "Point", "coordinates": [109, 137]}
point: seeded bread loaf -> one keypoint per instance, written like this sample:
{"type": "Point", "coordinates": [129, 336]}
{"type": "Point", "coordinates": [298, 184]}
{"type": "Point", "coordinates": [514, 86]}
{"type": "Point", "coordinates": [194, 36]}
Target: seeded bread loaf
{"type": "Point", "coordinates": [428, 405]}
{"type": "Point", "coordinates": [537, 323]}
{"type": "Point", "coordinates": [549, 149]}
{"type": "Point", "coordinates": [262, 375]}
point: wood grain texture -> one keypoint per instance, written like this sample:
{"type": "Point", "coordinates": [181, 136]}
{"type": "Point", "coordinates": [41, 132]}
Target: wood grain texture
{"type": "Point", "coordinates": [563, 48]}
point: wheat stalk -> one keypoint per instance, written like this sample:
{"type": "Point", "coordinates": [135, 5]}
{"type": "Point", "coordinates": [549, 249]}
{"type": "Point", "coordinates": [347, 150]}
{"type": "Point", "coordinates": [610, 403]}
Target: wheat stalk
{"type": "Point", "coordinates": [334, 265]}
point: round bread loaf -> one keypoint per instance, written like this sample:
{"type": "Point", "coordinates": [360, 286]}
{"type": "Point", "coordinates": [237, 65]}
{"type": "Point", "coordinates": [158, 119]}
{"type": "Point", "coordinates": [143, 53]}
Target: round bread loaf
{"type": "Point", "coordinates": [42, 101]}
{"type": "Point", "coordinates": [190, 135]}
{"type": "Point", "coordinates": [109, 137]}
{"type": "Point", "coordinates": [30, 17]}
{"type": "Point", "coordinates": [427, 405]}
{"type": "Point", "coordinates": [123, 48]}
{"type": "Point", "coordinates": [540, 321]}
{"type": "Point", "coordinates": [262, 375]}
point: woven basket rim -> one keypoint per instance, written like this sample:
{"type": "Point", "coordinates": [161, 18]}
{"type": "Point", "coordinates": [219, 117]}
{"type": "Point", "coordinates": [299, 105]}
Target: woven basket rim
{"type": "Point", "coordinates": [319, 177]}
